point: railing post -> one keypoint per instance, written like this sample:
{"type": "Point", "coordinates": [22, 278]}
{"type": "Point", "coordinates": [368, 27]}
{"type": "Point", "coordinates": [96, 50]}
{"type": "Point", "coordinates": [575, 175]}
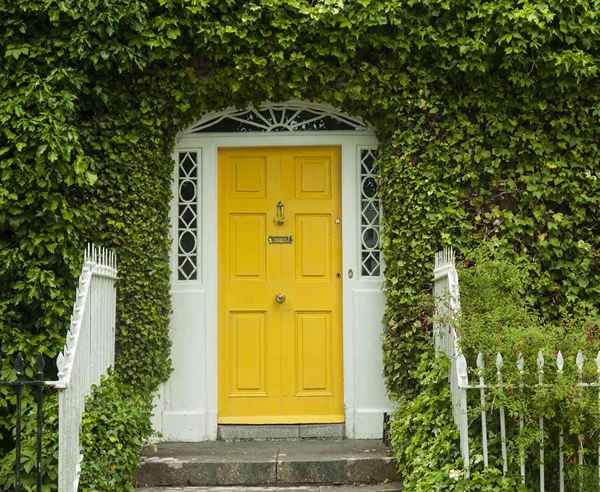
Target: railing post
{"type": "Point", "coordinates": [39, 393]}
{"type": "Point", "coordinates": [598, 383]}
{"type": "Point", "coordinates": [540, 366]}
{"type": "Point", "coordinates": [19, 366]}
{"type": "Point", "coordinates": [83, 360]}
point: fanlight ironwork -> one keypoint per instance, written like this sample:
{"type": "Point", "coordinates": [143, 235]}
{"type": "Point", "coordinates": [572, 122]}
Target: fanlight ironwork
{"type": "Point", "coordinates": [279, 117]}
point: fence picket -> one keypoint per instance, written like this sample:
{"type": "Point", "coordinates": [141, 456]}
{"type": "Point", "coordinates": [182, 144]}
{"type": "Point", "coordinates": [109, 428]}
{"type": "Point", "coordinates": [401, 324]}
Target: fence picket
{"type": "Point", "coordinates": [521, 369]}
{"type": "Point", "coordinates": [540, 366]}
{"type": "Point", "coordinates": [484, 437]}
{"type": "Point", "coordinates": [579, 361]}
{"type": "Point", "coordinates": [561, 437]}
{"type": "Point", "coordinates": [499, 364]}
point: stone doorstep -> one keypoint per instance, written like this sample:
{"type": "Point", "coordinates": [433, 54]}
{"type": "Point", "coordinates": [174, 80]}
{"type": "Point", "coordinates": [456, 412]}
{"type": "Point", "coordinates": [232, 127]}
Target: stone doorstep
{"type": "Point", "coordinates": [280, 431]}
{"type": "Point", "coordinates": [384, 487]}
{"type": "Point", "coordinates": [263, 463]}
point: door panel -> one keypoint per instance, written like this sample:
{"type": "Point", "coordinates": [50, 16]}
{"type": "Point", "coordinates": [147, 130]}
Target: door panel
{"type": "Point", "coordinates": [248, 352]}
{"type": "Point", "coordinates": [313, 355]}
{"type": "Point", "coordinates": [313, 241]}
{"type": "Point", "coordinates": [248, 230]}
{"type": "Point", "coordinates": [313, 177]}
{"type": "Point", "coordinates": [280, 362]}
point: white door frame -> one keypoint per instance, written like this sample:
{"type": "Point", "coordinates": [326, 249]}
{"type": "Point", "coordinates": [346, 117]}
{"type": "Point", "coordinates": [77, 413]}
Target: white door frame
{"type": "Point", "coordinates": [194, 326]}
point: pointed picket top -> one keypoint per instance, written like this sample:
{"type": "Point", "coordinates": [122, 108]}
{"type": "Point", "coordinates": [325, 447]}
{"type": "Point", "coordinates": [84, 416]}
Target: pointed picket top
{"type": "Point", "coordinates": [579, 360]}
{"type": "Point", "coordinates": [499, 361]}
{"type": "Point", "coordinates": [540, 361]}
{"type": "Point", "coordinates": [560, 362]}
{"type": "Point", "coordinates": [40, 365]}
{"type": "Point", "coordinates": [598, 362]}
{"type": "Point", "coordinates": [461, 371]}
{"type": "Point", "coordinates": [444, 257]}
{"type": "Point", "coordinates": [520, 362]}
{"type": "Point", "coordinates": [480, 361]}
{"type": "Point", "coordinates": [60, 364]}
{"type": "Point", "coordinates": [19, 364]}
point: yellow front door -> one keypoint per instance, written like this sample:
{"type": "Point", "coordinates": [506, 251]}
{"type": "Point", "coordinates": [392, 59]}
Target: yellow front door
{"type": "Point", "coordinates": [280, 286]}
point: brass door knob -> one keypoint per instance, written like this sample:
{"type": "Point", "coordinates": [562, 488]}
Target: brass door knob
{"type": "Point", "coordinates": [280, 298]}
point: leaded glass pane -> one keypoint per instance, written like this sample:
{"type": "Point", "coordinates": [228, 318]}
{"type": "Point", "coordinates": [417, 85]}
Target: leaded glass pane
{"type": "Point", "coordinates": [187, 209]}
{"type": "Point", "coordinates": [370, 218]}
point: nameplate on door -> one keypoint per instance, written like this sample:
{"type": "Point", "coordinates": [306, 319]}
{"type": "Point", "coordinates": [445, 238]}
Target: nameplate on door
{"type": "Point", "coordinates": [280, 239]}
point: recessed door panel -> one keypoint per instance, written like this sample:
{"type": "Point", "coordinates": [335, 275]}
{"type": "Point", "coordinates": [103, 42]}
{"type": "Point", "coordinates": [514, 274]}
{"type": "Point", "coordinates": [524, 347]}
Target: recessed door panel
{"type": "Point", "coordinates": [248, 255]}
{"type": "Point", "coordinates": [313, 176]}
{"type": "Point", "coordinates": [250, 176]}
{"type": "Point", "coordinates": [247, 352]}
{"type": "Point", "coordinates": [313, 245]}
{"type": "Point", "coordinates": [280, 327]}
{"type": "Point", "coordinates": [313, 353]}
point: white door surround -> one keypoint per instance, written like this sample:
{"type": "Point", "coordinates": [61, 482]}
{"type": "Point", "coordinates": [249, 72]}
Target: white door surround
{"type": "Point", "coordinates": [186, 408]}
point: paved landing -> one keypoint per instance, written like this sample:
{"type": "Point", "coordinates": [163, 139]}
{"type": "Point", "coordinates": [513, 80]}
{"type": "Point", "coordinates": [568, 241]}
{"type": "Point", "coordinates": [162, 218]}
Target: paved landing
{"type": "Point", "coordinates": [266, 463]}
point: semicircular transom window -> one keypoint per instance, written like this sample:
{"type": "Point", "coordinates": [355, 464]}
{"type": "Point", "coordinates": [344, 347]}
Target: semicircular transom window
{"type": "Point", "coordinates": [282, 117]}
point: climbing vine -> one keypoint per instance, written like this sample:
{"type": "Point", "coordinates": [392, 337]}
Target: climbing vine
{"type": "Point", "coordinates": [487, 113]}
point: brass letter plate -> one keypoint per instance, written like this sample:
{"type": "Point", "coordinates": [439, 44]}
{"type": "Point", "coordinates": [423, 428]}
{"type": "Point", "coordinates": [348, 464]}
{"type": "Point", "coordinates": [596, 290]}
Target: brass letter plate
{"type": "Point", "coordinates": [280, 239]}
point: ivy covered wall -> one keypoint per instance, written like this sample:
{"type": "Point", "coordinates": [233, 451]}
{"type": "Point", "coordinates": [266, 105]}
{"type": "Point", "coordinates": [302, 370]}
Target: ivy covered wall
{"type": "Point", "coordinates": [488, 113]}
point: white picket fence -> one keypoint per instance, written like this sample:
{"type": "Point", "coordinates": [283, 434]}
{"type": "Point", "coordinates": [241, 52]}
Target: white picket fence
{"type": "Point", "coordinates": [88, 353]}
{"type": "Point", "coordinates": [446, 340]}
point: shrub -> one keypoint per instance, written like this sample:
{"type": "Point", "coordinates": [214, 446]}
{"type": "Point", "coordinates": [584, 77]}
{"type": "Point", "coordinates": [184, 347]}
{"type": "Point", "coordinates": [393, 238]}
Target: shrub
{"type": "Point", "coordinates": [425, 439]}
{"type": "Point", "coordinates": [496, 316]}
{"type": "Point", "coordinates": [114, 428]}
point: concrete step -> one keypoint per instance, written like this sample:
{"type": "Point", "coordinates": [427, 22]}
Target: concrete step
{"type": "Point", "coordinates": [384, 487]}
{"type": "Point", "coordinates": [266, 463]}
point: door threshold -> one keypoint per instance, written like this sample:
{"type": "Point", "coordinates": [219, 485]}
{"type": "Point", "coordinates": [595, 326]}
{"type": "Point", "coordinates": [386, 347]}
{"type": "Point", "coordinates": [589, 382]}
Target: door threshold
{"type": "Point", "coordinates": [268, 432]}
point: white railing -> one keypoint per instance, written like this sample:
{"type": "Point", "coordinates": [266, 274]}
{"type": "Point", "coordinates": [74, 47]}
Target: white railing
{"type": "Point", "coordinates": [446, 340]}
{"type": "Point", "coordinates": [88, 353]}
{"type": "Point", "coordinates": [447, 295]}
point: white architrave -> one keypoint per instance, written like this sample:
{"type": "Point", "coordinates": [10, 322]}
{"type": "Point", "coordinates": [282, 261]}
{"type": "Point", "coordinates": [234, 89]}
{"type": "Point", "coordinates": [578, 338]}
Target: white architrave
{"type": "Point", "coordinates": [187, 406]}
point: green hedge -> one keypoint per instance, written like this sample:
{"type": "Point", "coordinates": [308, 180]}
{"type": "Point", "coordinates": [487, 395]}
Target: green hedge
{"type": "Point", "coordinates": [487, 113]}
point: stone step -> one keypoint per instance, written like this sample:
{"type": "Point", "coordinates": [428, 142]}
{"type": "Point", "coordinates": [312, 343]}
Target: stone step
{"type": "Point", "coordinates": [290, 432]}
{"type": "Point", "coordinates": [266, 463]}
{"type": "Point", "coordinates": [383, 487]}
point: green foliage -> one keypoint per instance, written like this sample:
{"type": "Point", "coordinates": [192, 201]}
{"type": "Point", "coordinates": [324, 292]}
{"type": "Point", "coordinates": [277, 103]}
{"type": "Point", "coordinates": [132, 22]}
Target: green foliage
{"type": "Point", "coordinates": [426, 442]}
{"type": "Point", "coordinates": [496, 317]}
{"type": "Point", "coordinates": [28, 456]}
{"type": "Point", "coordinates": [487, 113]}
{"type": "Point", "coordinates": [114, 429]}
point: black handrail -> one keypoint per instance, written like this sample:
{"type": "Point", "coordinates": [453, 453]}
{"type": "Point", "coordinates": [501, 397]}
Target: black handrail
{"type": "Point", "coordinates": [37, 386]}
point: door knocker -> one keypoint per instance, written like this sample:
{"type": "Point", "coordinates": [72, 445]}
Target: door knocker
{"type": "Point", "coordinates": [280, 213]}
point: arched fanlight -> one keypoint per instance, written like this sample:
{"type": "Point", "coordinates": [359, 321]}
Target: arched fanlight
{"type": "Point", "coordinates": [291, 116]}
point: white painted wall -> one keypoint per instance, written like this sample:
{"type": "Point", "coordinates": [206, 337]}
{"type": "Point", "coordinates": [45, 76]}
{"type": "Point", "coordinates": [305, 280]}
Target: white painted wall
{"type": "Point", "coordinates": [186, 409]}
